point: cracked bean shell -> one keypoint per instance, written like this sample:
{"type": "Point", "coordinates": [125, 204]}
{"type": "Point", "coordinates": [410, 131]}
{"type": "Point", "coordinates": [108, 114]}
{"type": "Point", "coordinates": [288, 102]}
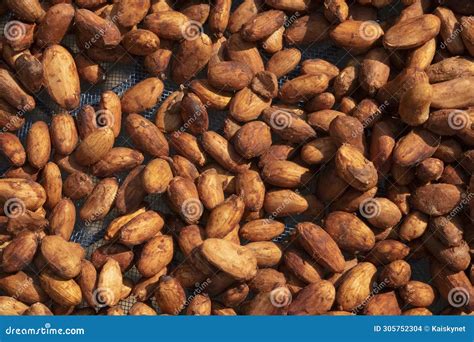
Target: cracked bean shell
{"type": "Point", "coordinates": [355, 169]}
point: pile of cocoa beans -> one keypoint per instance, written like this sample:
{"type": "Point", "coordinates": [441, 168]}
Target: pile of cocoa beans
{"type": "Point", "coordinates": [363, 164]}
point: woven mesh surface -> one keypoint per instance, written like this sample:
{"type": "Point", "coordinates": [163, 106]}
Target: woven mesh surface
{"type": "Point", "coordinates": [121, 77]}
